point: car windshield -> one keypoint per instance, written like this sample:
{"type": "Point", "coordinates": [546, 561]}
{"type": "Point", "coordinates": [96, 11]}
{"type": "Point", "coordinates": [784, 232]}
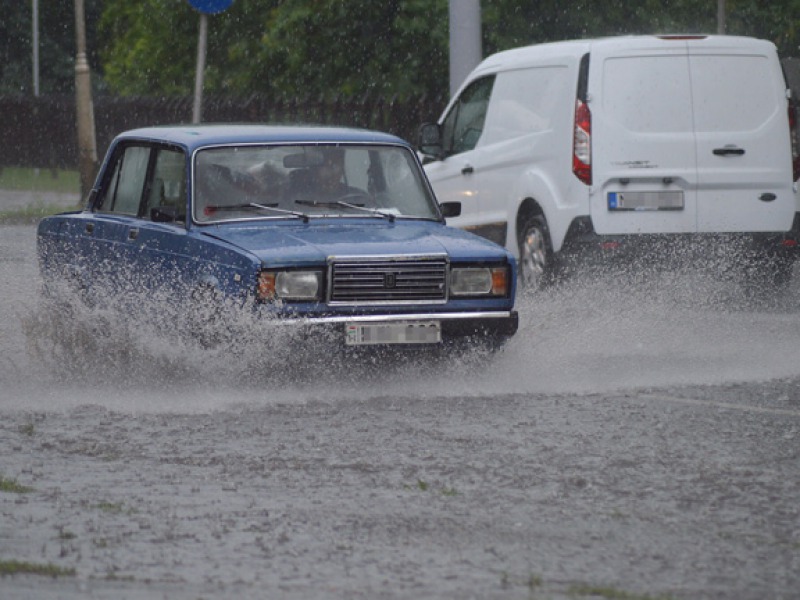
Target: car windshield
{"type": "Point", "coordinates": [306, 181]}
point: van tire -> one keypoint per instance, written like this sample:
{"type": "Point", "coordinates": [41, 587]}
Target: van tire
{"type": "Point", "coordinates": [536, 262]}
{"type": "Point", "coordinates": [770, 274]}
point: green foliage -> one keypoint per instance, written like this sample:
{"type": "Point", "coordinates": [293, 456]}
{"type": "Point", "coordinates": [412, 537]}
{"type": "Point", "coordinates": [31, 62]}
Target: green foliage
{"type": "Point", "coordinates": [511, 23]}
{"type": "Point", "coordinates": [39, 180]}
{"type": "Point", "coordinates": [331, 48]}
{"type": "Point", "coordinates": [148, 46]}
{"type": "Point", "coordinates": [13, 567]}
{"type": "Point", "coordinates": [11, 486]}
{"type": "Point", "coordinates": [335, 47]}
{"type": "Point", "coordinates": [56, 45]}
{"type": "Point", "coordinates": [610, 593]}
{"type": "Point", "coordinates": [294, 48]}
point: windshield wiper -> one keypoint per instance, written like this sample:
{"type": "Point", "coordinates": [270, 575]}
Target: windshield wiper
{"type": "Point", "coordinates": [271, 207]}
{"type": "Point", "coordinates": [343, 204]}
{"type": "Point", "coordinates": [295, 213]}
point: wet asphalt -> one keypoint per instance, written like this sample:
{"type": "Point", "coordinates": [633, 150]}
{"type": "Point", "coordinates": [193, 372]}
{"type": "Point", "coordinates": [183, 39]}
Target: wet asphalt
{"type": "Point", "coordinates": [638, 439]}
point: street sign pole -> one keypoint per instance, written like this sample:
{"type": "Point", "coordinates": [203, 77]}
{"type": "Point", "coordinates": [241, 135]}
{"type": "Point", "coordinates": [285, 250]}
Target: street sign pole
{"type": "Point", "coordinates": [205, 8]}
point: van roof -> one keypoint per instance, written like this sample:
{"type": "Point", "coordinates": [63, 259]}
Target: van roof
{"type": "Point", "coordinates": [569, 50]}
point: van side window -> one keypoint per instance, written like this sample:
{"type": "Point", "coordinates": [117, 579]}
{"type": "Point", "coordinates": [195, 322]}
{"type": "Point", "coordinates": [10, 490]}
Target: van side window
{"type": "Point", "coordinates": [124, 191]}
{"type": "Point", "coordinates": [526, 101]}
{"type": "Point", "coordinates": [463, 125]}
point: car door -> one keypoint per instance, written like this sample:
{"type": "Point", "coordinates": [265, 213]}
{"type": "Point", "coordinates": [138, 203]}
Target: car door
{"type": "Point", "coordinates": [114, 220]}
{"type": "Point", "coordinates": [454, 178]}
{"type": "Point", "coordinates": [158, 245]}
{"type": "Point", "coordinates": [743, 146]}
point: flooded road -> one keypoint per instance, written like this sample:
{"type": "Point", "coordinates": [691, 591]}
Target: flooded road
{"type": "Point", "coordinates": [638, 438]}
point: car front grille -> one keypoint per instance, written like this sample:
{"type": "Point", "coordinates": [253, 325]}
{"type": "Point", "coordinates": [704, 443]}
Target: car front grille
{"type": "Point", "coordinates": [388, 280]}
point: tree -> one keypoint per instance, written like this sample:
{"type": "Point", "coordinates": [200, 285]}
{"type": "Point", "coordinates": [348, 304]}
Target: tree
{"type": "Point", "coordinates": [510, 23]}
{"type": "Point", "coordinates": [330, 47]}
{"type": "Point", "coordinates": [299, 47]}
{"type": "Point", "coordinates": [56, 45]}
{"type": "Point", "coordinates": [326, 48]}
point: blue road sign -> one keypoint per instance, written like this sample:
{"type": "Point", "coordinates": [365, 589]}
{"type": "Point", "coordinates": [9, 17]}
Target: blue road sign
{"type": "Point", "coordinates": [211, 7]}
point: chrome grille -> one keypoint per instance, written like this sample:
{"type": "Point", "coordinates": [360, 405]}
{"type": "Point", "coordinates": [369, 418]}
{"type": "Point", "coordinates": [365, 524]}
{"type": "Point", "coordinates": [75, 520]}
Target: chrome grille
{"type": "Point", "coordinates": [364, 281]}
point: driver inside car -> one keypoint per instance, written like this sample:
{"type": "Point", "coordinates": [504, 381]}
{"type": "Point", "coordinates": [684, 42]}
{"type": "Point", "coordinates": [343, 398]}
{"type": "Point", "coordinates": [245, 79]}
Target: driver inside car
{"type": "Point", "coordinates": [327, 182]}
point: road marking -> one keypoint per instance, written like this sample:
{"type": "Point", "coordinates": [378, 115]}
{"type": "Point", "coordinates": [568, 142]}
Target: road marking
{"type": "Point", "coordinates": [713, 403]}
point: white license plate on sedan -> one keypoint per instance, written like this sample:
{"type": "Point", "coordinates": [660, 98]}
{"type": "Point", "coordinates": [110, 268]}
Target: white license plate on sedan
{"type": "Point", "coordinates": [666, 200]}
{"type": "Point", "coordinates": [409, 332]}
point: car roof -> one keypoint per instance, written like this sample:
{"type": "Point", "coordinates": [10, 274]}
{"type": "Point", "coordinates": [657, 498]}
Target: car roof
{"type": "Point", "coordinates": [194, 136]}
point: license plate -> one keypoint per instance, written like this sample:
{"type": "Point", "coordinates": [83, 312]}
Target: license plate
{"type": "Point", "coordinates": [672, 200]}
{"type": "Point", "coordinates": [412, 332]}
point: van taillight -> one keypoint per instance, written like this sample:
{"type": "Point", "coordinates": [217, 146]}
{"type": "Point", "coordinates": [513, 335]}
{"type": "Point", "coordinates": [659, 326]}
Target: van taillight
{"type": "Point", "coordinates": [793, 137]}
{"type": "Point", "coordinates": [582, 143]}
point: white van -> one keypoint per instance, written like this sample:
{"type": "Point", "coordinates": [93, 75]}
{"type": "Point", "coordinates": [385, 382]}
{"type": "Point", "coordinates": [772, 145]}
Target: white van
{"type": "Point", "coordinates": [560, 148]}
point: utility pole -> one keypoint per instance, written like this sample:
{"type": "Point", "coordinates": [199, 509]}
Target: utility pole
{"type": "Point", "coordinates": [721, 17]}
{"type": "Point", "coordinates": [202, 43]}
{"type": "Point", "coordinates": [466, 50]}
{"type": "Point", "coordinates": [87, 146]}
{"type": "Point", "coordinates": [35, 38]}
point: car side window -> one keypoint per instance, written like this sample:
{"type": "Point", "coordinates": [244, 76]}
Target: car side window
{"type": "Point", "coordinates": [463, 125]}
{"type": "Point", "coordinates": [166, 194]}
{"type": "Point", "coordinates": [124, 189]}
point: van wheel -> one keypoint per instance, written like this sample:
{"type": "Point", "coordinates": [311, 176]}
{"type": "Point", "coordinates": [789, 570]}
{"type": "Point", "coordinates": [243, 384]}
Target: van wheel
{"type": "Point", "coordinates": [769, 275]}
{"type": "Point", "coordinates": [535, 255]}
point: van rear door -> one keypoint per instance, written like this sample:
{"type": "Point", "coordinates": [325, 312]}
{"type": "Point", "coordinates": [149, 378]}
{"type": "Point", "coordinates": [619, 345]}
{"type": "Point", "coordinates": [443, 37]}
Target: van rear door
{"type": "Point", "coordinates": [742, 130]}
{"type": "Point", "coordinates": [644, 163]}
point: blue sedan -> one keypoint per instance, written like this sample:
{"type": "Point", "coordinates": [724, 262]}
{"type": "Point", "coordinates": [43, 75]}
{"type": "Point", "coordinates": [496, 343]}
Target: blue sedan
{"type": "Point", "coordinates": [323, 228]}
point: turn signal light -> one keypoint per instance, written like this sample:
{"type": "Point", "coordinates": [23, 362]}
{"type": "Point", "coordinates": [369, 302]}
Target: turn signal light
{"type": "Point", "coordinates": [266, 285]}
{"type": "Point", "coordinates": [499, 282]}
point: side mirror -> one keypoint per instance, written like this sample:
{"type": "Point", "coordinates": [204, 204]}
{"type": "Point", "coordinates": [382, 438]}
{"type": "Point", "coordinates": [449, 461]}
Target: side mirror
{"type": "Point", "coordinates": [450, 209]}
{"type": "Point", "coordinates": [429, 141]}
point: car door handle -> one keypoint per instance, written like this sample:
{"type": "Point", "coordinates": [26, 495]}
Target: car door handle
{"type": "Point", "coordinates": [90, 228]}
{"type": "Point", "coordinates": [133, 234]}
{"type": "Point", "coordinates": [729, 151]}
{"type": "Point", "coordinates": [467, 170]}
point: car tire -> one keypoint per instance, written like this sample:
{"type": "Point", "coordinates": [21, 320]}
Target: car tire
{"type": "Point", "coordinates": [536, 262]}
{"type": "Point", "coordinates": [205, 316]}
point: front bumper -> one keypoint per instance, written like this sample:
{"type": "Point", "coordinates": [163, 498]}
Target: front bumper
{"type": "Point", "coordinates": [494, 324]}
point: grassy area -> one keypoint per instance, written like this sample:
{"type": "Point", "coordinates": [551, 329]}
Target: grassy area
{"type": "Point", "coordinates": [11, 486]}
{"type": "Point", "coordinates": [29, 214]}
{"type": "Point", "coordinates": [13, 567]}
{"type": "Point", "coordinates": [39, 180]}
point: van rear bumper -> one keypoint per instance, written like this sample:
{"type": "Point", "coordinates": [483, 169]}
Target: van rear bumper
{"type": "Point", "coordinates": [584, 244]}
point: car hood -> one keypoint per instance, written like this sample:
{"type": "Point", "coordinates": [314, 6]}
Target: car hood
{"type": "Point", "coordinates": [298, 243]}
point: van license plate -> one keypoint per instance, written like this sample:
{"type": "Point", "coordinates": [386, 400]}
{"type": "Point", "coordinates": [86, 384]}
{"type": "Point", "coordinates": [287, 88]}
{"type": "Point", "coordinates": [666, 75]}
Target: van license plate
{"type": "Point", "coordinates": [411, 332]}
{"type": "Point", "coordinates": [672, 200]}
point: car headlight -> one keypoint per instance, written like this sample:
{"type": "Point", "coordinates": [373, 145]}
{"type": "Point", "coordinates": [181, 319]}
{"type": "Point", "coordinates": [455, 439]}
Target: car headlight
{"type": "Point", "coordinates": [289, 285]}
{"type": "Point", "coordinates": [479, 281]}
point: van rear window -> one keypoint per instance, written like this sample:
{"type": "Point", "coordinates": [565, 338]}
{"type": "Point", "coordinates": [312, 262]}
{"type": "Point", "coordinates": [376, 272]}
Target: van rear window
{"type": "Point", "coordinates": [733, 93]}
{"type": "Point", "coordinates": [648, 94]}
{"type": "Point", "coordinates": [678, 94]}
